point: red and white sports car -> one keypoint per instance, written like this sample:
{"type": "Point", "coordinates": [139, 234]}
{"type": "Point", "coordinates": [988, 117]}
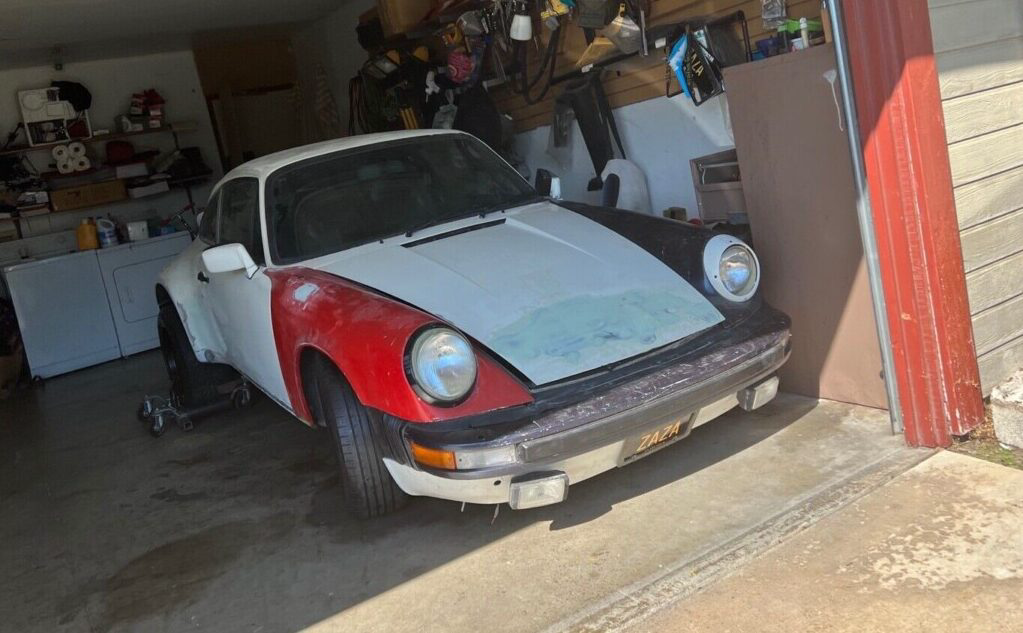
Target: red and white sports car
{"type": "Point", "coordinates": [461, 336]}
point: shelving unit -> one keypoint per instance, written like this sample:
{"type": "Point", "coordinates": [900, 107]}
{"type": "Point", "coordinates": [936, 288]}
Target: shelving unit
{"type": "Point", "coordinates": [171, 128]}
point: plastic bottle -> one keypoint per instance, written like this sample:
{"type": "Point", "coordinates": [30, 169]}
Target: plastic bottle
{"type": "Point", "coordinates": [804, 30]}
{"type": "Point", "coordinates": [107, 233]}
{"type": "Point", "coordinates": [86, 235]}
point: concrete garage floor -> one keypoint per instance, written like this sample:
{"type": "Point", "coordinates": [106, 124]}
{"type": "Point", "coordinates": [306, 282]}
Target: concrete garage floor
{"type": "Point", "coordinates": [238, 526]}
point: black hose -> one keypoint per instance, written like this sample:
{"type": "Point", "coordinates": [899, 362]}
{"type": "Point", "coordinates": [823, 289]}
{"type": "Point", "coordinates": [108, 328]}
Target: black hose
{"type": "Point", "coordinates": [546, 64]}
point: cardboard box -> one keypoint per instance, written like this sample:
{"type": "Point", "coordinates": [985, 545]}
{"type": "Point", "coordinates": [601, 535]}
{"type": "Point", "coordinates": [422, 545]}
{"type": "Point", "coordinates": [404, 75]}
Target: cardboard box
{"type": "Point", "coordinates": [397, 16]}
{"type": "Point", "coordinates": [87, 195]}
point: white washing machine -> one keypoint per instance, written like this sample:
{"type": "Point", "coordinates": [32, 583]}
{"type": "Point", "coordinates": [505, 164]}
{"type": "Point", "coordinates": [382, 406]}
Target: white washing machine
{"type": "Point", "coordinates": [130, 272]}
{"type": "Point", "coordinates": [63, 313]}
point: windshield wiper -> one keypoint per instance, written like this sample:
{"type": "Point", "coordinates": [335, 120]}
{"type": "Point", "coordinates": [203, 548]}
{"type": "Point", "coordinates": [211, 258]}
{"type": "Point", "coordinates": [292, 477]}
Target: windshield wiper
{"type": "Point", "coordinates": [481, 212]}
{"type": "Point", "coordinates": [517, 201]}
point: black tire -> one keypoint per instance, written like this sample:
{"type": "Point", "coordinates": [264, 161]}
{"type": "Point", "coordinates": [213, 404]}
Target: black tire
{"type": "Point", "coordinates": [194, 383]}
{"type": "Point", "coordinates": [368, 487]}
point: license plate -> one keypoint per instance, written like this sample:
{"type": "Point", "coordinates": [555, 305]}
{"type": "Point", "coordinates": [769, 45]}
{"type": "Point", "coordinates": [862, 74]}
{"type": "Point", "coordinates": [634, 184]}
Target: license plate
{"type": "Point", "coordinates": [655, 439]}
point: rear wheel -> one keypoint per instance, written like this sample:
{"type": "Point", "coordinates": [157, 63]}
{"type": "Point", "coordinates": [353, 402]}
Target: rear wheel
{"type": "Point", "coordinates": [194, 383]}
{"type": "Point", "coordinates": [369, 489]}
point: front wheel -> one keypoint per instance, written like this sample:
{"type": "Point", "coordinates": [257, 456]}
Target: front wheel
{"type": "Point", "coordinates": [194, 383]}
{"type": "Point", "coordinates": [369, 489]}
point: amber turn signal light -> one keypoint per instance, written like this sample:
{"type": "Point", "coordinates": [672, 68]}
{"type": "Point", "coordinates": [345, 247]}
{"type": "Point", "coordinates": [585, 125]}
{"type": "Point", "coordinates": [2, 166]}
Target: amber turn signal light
{"type": "Point", "coordinates": [432, 457]}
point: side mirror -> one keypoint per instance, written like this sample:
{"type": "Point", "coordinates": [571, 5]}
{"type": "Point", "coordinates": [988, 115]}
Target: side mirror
{"type": "Point", "coordinates": [229, 258]}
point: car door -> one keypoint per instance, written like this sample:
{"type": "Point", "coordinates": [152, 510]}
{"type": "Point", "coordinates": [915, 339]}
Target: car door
{"type": "Point", "coordinates": [241, 305]}
{"type": "Point", "coordinates": [197, 318]}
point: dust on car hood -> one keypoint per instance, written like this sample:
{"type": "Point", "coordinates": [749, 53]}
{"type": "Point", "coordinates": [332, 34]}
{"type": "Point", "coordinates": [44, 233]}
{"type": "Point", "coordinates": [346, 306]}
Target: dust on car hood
{"type": "Point", "coordinates": [551, 292]}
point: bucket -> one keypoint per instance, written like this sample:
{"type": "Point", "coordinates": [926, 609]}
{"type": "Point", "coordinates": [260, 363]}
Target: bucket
{"type": "Point", "coordinates": [107, 232]}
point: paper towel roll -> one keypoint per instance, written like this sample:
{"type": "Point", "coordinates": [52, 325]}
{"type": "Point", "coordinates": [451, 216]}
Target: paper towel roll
{"type": "Point", "coordinates": [59, 152]}
{"type": "Point", "coordinates": [76, 149]}
{"type": "Point", "coordinates": [65, 166]}
{"type": "Point", "coordinates": [82, 163]}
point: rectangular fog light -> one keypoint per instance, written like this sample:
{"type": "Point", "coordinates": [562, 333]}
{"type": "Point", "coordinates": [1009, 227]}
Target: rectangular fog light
{"type": "Point", "coordinates": [756, 396]}
{"type": "Point", "coordinates": [541, 489]}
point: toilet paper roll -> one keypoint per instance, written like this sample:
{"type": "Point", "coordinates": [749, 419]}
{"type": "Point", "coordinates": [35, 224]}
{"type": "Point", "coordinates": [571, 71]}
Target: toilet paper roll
{"type": "Point", "coordinates": [76, 149]}
{"type": "Point", "coordinates": [82, 163]}
{"type": "Point", "coordinates": [65, 166]}
{"type": "Point", "coordinates": [59, 153]}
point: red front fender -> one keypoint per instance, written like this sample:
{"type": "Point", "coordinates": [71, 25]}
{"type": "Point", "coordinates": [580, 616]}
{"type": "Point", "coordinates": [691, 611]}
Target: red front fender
{"type": "Point", "coordinates": [366, 335]}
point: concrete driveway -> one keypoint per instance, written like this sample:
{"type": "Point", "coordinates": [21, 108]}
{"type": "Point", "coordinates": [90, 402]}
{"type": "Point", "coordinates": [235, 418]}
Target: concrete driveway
{"type": "Point", "coordinates": [238, 525]}
{"type": "Point", "coordinates": [940, 548]}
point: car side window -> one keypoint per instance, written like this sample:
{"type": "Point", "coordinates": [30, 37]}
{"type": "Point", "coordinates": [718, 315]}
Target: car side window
{"type": "Point", "coordinates": [208, 226]}
{"type": "Point", "coordinates": [239, 210]}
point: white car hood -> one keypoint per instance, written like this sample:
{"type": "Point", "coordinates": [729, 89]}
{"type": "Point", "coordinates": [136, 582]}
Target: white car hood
{"type": "Point", "coordinates": [553, 293]}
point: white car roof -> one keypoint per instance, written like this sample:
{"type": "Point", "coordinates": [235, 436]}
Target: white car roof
{"type": "Point", "coordinates": [264, 165]}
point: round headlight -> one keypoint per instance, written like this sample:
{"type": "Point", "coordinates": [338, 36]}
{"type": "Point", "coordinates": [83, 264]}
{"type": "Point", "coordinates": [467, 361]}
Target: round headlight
{"type": "Point", "coordinates": [442, 364]}
{"type": "Point", "coordinates": [738, 270]}
{"type": "Point", "coordinates": [732, 267]}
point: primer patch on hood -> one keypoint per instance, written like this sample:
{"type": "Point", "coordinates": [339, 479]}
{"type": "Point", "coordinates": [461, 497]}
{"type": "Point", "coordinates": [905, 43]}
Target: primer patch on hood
{"type": "Point", "coordinates": [598, 330]}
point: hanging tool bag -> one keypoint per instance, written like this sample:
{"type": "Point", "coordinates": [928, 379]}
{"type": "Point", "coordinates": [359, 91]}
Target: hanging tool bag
{"type": "Point", "coordinates": [698, 73]}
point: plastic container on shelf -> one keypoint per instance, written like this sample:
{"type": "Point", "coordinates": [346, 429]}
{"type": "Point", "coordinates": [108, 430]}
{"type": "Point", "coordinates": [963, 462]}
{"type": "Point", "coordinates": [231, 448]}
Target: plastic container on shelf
{"type": "Point", "coordinates": [86, 235]}
{"type": "Point", "coordinates": [107, 233]}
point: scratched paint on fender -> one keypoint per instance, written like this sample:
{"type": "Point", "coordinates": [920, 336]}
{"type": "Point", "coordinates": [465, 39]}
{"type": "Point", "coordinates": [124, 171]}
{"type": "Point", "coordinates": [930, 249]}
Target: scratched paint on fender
{"type": "Point", "coordinates": [587, 332]}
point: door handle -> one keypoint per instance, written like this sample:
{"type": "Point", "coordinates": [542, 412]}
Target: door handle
{"type": "Point", "coordinates": [202, 277]}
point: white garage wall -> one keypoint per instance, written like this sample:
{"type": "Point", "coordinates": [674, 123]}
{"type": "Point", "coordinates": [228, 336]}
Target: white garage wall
{"type": "Point", "coordinates": [112, 82]}
{"type": "Point", "coordinates": [660, 135]}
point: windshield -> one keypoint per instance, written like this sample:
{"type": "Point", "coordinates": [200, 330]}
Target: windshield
{"type": "Point", "coordinates": [333, 202]}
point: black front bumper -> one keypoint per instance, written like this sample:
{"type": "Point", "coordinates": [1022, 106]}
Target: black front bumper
{"type": "Point", "coordinates": [577, 416]}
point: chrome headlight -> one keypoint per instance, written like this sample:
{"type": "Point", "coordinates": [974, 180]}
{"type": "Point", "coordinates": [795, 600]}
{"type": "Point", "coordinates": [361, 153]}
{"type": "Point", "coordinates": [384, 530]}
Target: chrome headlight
{"type": "Point", "coordinates": [732, 267]}
{"type": "Point", "coordinates": [442, 365]}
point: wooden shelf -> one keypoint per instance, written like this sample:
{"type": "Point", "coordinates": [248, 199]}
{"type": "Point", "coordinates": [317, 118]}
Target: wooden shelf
{"type": "Point", "coordinates": [170, 128]}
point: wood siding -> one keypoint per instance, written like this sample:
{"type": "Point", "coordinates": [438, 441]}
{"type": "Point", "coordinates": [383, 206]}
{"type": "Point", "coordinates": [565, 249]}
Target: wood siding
{"type": "Point", "coordinates": [979, 50]}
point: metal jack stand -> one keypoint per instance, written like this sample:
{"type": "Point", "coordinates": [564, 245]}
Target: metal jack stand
{"type": "Point", "coordinates": [157, 411]}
